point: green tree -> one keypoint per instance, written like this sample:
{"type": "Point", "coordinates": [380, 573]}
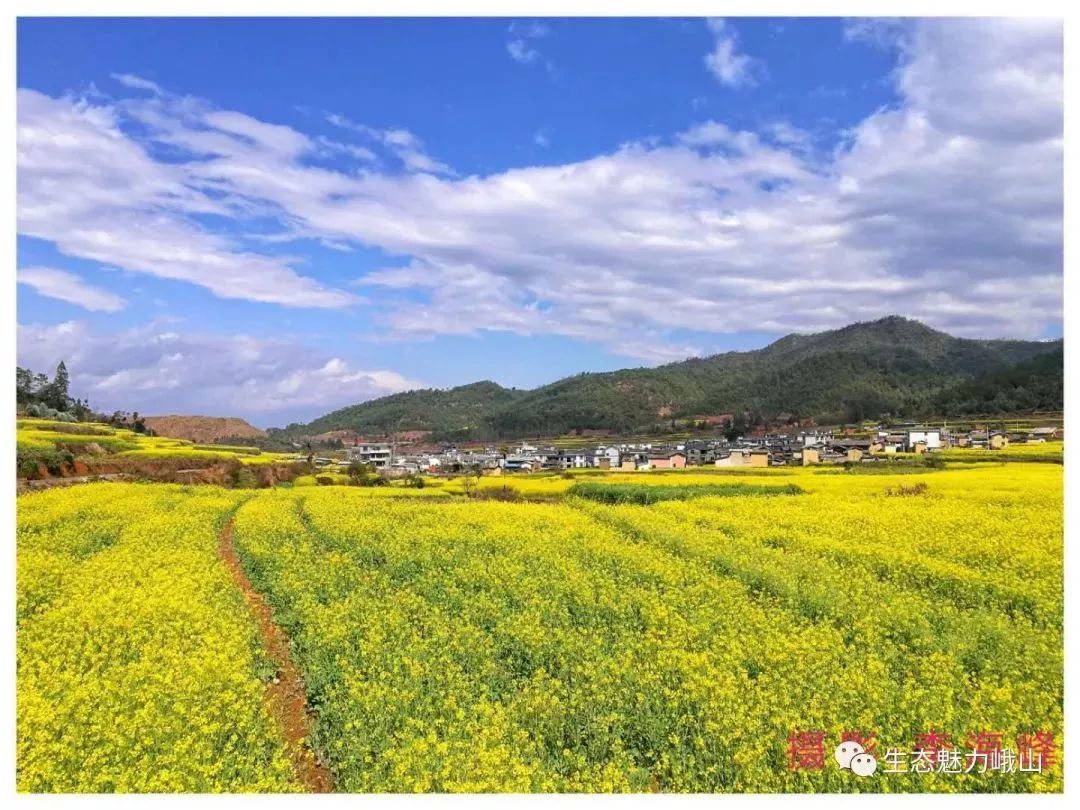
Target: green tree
{"type": "Point", "coordinates": [24, 385]}
{"type": "Point", "coordinates": [357, 471]}
{"type": "Point", "coordinates": [56, 393]}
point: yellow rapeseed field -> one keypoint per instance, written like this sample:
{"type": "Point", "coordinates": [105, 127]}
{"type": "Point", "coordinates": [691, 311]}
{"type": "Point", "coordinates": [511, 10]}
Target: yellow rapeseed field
{"type": "Point", "coordinates": [136, 658]}
{"type": "Point", "coordinates": [1011, 452]}
{"type": "Point", "coordinates": [455, 644]}
{"type": "Point", "coordinates": [40, 434]}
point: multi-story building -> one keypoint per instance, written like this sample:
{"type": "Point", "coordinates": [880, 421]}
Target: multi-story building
{"type": "Point", "coordinates": [380, 456]}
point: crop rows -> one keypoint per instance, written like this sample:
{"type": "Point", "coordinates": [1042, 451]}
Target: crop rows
{"type": "Point", "coordinates": [582, 646]}
{"type": "Point", "coordinates": [137, 659]}
{"type": "Point", "coordinates": [454, 644]}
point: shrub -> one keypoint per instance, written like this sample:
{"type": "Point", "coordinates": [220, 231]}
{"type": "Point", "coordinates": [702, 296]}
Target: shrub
{"type": "Point", "coordinates": [247, 479]}
{"type": "Point", "coordinates": [298, 468]}
{"type": "Point", "coordinates": [934, 461]}
{"type": "Point", "coordinates": [645, 494]}
{"type": "Point", "coordinates": [919, 488]}
{"type": "Point", "coordinates": [43, 411]}
{"type": "Point", "coordinates": [80, 430]}
{"type": "Point", "coordinates": [30, 461]}
{"type": "Point", "coordinates": [505, 493]}
{"type": "Point", "coordinates": [367, 480]}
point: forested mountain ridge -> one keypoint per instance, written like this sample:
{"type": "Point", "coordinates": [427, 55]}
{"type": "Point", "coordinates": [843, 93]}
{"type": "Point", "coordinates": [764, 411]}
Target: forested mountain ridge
{"type": "Point", "coordinates": [893, 367]}
{"type": "Point", "coordinates": [441, 411]}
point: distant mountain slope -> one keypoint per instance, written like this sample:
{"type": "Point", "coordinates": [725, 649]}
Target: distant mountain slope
{"type": "Point", "coordinates": [203, 428]}
{"type": "Point", "coordinates": [455, 410]}
{"type": "Point", "coordinates": [1037, 384]}
{"type": "Point", "coordinates": [889, 367]}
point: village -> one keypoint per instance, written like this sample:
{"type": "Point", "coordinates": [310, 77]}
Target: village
{"type": "Point", "coordinates": [803, 448]}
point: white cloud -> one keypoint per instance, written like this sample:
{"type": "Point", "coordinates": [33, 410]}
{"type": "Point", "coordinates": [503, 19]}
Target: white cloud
{"type": "Point", "coordinates": [137, 82]}
{"type": "Point", "coordinates": [520, 51]}
{"type": "Point", "coordinates": [342, 121]}
{"type": "Point", "coordinates": [99, 195]}
{"type": "Point", "coordinates": [540, 139]}
{"type": "Point", "coordinates": [401, 143]}
{"type": "Point", "coordinates": [930, 209]}
{"type": "Point", "coordinates": [715, 133]}
{"type": "Point", "coordinates": [154, 369]}
{"type": "Point", "coordinates": [533, 29]}
{"type": "Point", "coordinates": [881, 32]}
{"type": "Point", "coordinates": [784, 132]}
{"type": "Point", "coordinates": [358, 152]}
{"type": "Point", "coordinates": [998, 81]}
{"type": "Point", "coordinates": [730, 67]}
{"type": "Point", "coordinates": [522, 45]}
{"type": "Point", "coordinates": [417, 160]}
{"type": "Point", "coordinates": [65, 286]}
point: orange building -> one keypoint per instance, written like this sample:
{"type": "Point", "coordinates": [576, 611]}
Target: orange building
{"type": "Point", "coordinates": [667, 461]}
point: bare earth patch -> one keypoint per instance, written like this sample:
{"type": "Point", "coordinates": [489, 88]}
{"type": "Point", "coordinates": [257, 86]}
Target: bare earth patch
{"type": "Point", "coordinates": [202, 428]}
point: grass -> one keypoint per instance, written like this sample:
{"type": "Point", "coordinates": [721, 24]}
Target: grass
{"type": "Point", "coordinates": [645, 494]}
{"type": "Point", "coordinates": [312, 480]}
{"type": "Point", "coordinates": [1045, 453]}
{"type": "Point", "coordinates": [239, 449]}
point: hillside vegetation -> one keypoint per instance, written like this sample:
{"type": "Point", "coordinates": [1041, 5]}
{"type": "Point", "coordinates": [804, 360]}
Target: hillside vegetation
{"type": "Point", "coordinates": [1037, 384]}
{"type": "Point", "coordinates": [893, 367]}
{"type": "Point", "coordinates": [464, 409]}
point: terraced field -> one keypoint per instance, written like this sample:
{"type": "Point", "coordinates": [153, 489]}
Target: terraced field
{"type": "Point", "coordinates": [582, 643]}
{"type": "Point", "coordinates": [49, 445]}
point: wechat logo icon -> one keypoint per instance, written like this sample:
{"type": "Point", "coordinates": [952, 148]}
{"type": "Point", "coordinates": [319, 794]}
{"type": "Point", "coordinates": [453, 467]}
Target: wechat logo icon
{"type": "Point", "coordinates": [851, 756]}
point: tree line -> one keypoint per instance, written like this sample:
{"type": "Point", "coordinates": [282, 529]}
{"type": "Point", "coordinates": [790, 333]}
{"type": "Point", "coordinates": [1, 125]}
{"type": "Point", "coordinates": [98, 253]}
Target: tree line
{"type": "Point", "coordinates": [37, 395]}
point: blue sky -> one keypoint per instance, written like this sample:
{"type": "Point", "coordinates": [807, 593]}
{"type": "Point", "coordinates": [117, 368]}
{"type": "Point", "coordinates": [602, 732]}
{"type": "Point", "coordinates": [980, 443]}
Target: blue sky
{"type": "Point", "coordinates": [272, 218]}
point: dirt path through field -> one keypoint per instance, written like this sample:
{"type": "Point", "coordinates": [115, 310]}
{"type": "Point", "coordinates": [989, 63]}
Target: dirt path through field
{"type": "Point", "coordinates": [285, 693]}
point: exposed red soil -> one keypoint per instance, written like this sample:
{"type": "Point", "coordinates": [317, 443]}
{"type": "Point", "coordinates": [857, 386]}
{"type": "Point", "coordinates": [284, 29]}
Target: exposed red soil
{"type": "Point", "coordinates": [202, 428]}
{"type": "Point", "coordinates": [285, 693]}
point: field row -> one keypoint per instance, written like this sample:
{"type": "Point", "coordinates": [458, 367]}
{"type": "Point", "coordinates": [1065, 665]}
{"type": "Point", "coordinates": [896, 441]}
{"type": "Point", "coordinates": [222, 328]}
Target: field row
{"type": "Point", "coordinates": [580, 645]}
{"type": "Point", "coordinates": [137, 661]}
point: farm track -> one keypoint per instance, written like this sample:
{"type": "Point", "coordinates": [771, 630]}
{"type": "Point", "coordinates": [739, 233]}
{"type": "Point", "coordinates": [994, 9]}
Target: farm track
{"type": "Point", "coordinates": [285, 693]}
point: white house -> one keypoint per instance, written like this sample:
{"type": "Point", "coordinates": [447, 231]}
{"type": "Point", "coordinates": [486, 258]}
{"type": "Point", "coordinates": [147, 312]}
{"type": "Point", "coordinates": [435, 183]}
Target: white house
{"type": "Point", "coordinates": [378, 455]}
{"type": "Point", "coordinates": [930, 438]}
{"type": "Point", "coordinates": [518, 463]}
{"type": "Point", "coordinates": [814, 438]}
{"type": "Point", "coordinates": [574, 459]}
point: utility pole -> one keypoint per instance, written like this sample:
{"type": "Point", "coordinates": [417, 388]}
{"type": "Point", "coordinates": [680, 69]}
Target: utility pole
{"type": "Point", "coordinates": [393, 441]}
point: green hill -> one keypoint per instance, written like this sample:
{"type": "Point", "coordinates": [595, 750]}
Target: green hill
{"type": "Point", "coordinates": [460, 410]}
{"type": "Point", "coordinates": [893, 367]}
{"type": "Point", "coordinates": [1037, 384]}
